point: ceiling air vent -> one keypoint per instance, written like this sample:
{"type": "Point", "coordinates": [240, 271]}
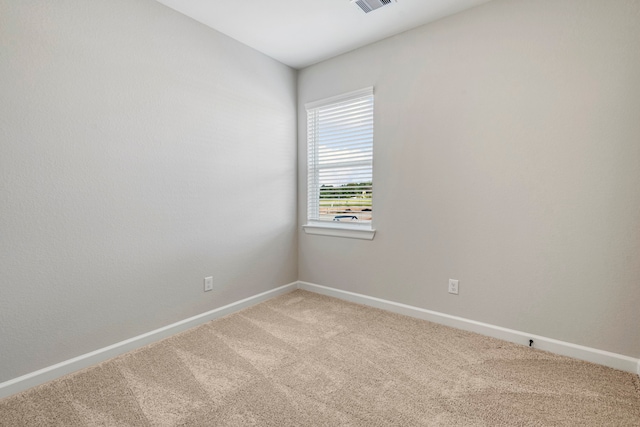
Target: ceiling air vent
{"type": "Point", "coordinates": [369, 5]}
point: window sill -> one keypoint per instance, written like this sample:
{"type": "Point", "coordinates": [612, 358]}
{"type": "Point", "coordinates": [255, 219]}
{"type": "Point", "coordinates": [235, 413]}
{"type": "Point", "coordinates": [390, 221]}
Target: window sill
{"type": "Point", "coordinates": [348, 231]}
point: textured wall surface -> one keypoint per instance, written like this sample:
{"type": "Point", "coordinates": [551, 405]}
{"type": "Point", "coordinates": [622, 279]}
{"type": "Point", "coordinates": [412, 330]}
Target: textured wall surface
{"type": "Point", "coordinates": [139, 152]}
{"type": "Point", "coordinates": [507, 155]}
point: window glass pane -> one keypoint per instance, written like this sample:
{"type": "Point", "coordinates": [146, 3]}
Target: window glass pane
{"type": "Point", "coordinates": [340, 137]}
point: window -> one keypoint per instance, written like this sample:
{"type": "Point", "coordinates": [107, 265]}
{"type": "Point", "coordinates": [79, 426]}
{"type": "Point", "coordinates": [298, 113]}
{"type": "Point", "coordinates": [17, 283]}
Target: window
{"type": "Point", "coordinates": [340, 165]}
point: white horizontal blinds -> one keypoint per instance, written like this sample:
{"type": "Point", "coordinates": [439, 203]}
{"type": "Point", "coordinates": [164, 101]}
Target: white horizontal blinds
{"type": "Point", "coordinates": [340, 136]}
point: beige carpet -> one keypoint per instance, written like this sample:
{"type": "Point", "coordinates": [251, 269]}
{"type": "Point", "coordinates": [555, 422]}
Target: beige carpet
{"type": "Point", "coordinates": [304, 359]}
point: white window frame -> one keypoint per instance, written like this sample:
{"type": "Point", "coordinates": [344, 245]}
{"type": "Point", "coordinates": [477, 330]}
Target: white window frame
{"type": "Point", "coordinates": [314, 225]}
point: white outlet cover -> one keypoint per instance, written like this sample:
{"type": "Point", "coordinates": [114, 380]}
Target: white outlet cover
{"type": "Point", "coordinates": [208, 283]}
{"type": "Point", "coordinates": [453, 286]}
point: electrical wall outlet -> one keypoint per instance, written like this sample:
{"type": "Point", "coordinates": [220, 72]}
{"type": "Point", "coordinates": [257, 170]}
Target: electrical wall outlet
{"type": "Point", "coordinates": [208, 283]}
{"type": "Point", "coordinates": [453, 286]}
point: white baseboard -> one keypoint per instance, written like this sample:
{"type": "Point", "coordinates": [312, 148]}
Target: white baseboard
{"type": "Point", "coordinates": [58, 370]}
{"type": "Point", "coordinates": [601, 357]}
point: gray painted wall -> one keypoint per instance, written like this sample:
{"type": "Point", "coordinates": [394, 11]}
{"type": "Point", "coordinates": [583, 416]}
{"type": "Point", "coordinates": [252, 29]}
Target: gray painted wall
{"type": "Point", "coordinates": [139, 152]}
{"type": "Point", "coordinates": [507, 155]}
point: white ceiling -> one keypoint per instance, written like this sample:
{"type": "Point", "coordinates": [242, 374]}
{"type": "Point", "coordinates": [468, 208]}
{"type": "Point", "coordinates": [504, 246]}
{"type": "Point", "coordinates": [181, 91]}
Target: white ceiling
{"type": "Point", "coordinates": [302, 32]}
